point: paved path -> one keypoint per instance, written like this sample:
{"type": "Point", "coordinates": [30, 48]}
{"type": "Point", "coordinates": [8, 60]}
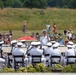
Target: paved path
{"type": "Point", "coordinates": [8, 49]}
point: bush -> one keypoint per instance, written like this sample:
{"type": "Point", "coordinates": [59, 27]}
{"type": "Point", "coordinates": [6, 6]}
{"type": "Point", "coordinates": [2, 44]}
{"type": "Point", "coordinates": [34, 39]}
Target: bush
{"type": "Point", "coordinates": [22, 69]}
{"type": "Point", "coordinates": [31, 69]}
{"type": "Point", "coordinates": [41, 68]}
{"type": "Point", "coordinates": [74, 68]}
{"type": "Point", "coordinates": [56, 68]}
{"type": "Point", "coordinates": [68, 68]}
{"type": "Point", "coordinates": [6, 70]}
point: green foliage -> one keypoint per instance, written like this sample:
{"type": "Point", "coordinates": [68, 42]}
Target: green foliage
{"type": "Point", "coordinates": [38, 3]}
{"type": "Point", "coordinates": [17, 4]}
{"type": "Point", "coordinates": [1, 3]}
{"type": "Point", "coordinates": [35, 3]}
{"type": "Point", "coordinates": [22, 69]}
{"type": "Point", "coordinates": [41, 68]}
{"type": "Point", "coordinates": [57, 66]}
{"type": "Point", "coordinates": [68, 68]}
{"type": "Point", "coordinates": [74, 68]}
{"type": "Point", "coordinates": [31, 69]}
{"type": "Point", "coordinates": [7, 70]}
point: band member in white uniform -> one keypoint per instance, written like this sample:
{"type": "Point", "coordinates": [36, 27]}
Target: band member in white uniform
{"type": "Point", "coordinates": [69, 52]}
{"type": "Point", "coordinates": [48, 50]}
{"type": "Point", "coordinates": [37, 51]}
{"type": "Point", "coordinates": [2, 61]}
{"type": "Point", "coordinates": [19, 51]}
{"type": "Point", "coordinates": [13, 45]}
{"type": "Point", "coordinates": [55, 52]}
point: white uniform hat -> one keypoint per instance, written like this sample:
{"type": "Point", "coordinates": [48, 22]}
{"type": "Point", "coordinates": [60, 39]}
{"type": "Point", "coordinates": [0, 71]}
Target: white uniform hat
{"type": "Point", "coordinates": [55, 46]}
{"type": "Point", "coordinates": [19, 44]}
{"type": "Point", "coordinates": [70, 43]}
{"type": "Point", "coordinates": [13, 41]}
{"type": "Point", "coordinates": [69, 46]}
{"type": "Point", "coordinates": [35, 43]}
{"type": "Point", "coordinates": [1, 42]}
{"type": "Point", "coordinates": [49, 44]}
{"type": "Point", "coordinates": [32, 43]}
{"type": "Point", "coordinates": [44, 30]}
{"type": "Point", "coordinates": [22, 40]}
{"type": "Point", "coordinates": [57, 43]}
{"type": "Point", "coordinates": [39, 43]}
{"type": "Point", "coordinates": [53, 42]}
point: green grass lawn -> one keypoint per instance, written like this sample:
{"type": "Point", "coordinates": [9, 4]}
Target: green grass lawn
{"type": "Point", "coordinates": [13, 18]}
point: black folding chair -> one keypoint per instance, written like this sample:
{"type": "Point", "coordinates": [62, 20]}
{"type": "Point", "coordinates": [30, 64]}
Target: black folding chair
{"type": "Point", "coordinates": [47, 55]}
{"type": "Point", "coordinates": [9, 60]}
{"type": "Point", "coordinates": [54, 62]}
{"type": "Point", "coordinates": [17, 61]}
{"type": "Point", "coordinates": [1, 53]}
{"type": "Point", "coordinates": [36, 59]}
{"type": "Point", "coordinates": [68, 57]}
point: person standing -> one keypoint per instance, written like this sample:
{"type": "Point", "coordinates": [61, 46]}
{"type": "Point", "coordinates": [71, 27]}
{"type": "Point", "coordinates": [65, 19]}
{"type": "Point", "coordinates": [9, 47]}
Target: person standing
{"type": "Point", "coordinates": [54, 27]}
{"type": "Point", "coordinates": [24, 28]}
{"type": "Point", "coordinates": [48, 28]}
{"type": "Point", "coordinates": [44, 38]}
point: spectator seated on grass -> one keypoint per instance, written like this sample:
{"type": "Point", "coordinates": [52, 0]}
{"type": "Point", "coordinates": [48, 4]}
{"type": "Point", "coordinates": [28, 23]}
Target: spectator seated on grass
{"type": "Point", "coordinates": [61, 41]}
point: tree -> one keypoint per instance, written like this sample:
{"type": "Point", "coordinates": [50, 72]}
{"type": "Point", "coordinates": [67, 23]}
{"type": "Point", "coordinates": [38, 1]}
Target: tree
{"type": "Point", "coordinates": [17, 4]}
{"type": "Point", "coordinates": [1, 4]}
{"type": "Point", "coordinates": [73, 4]}
{"type": "Point", "coordinates": [35, 3]}
{"type": "Point", "coordinates": [8, 3]}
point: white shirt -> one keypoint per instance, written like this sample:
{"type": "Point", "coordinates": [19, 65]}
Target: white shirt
{"type": "Point", "coordinates": [35, 51]}
{"type": "Point", "coordinates": [48, 51]}
{"type": "Point", "coordinates": [18, 51]}
{"type": "Point", "coordinates": [70, 52]}
{"type": "Point", "coordinates": [47, 27]}
{"type": "Point", "coordinates": [69, 35]}
{"type": "Point", "coordinates": [43, 40]}
{"type": "Point", "coordinates": [56, 52]}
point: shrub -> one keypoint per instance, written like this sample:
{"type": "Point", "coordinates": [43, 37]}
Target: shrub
{"type": "Point", "coordinates": [41, 68]}
{"type": "Point", "coordinates": [74, 68]}
{"type": "Point", "coordinates": [56, 68]}
{"type": "Point", "coordinates": [6, 70]}
{"type": "Point", "coordinates": [22, 69]}
{"type": "Point", "coordinates": [67, 68]}
{"type": "Point", "coordinates": [31, 69]}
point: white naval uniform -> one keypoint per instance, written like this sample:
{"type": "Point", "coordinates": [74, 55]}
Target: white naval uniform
{"type": "Point", "coordinates": [69, 52]}
{"type": "Point", "coordinates": [19, 51]}
{"type": "Point", "coordinates": [56, 52]}
{"type": "Point", "coordinates": [36, 51]}
{"type": "Point", "coordinates": [44, 40]}
{"type": "Point", "coordinates": [1, 62]}
{"type": "Point", "coordinates": [48, 51]}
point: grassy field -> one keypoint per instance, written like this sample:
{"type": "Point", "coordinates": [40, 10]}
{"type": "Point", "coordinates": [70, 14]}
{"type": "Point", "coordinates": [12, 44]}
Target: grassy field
{"type": "Point", "coordinates": [13, 18]}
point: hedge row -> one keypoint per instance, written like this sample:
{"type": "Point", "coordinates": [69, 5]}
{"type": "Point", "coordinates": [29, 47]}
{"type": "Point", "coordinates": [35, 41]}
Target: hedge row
{"type": "Point", "coordinates": [41, 68]}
